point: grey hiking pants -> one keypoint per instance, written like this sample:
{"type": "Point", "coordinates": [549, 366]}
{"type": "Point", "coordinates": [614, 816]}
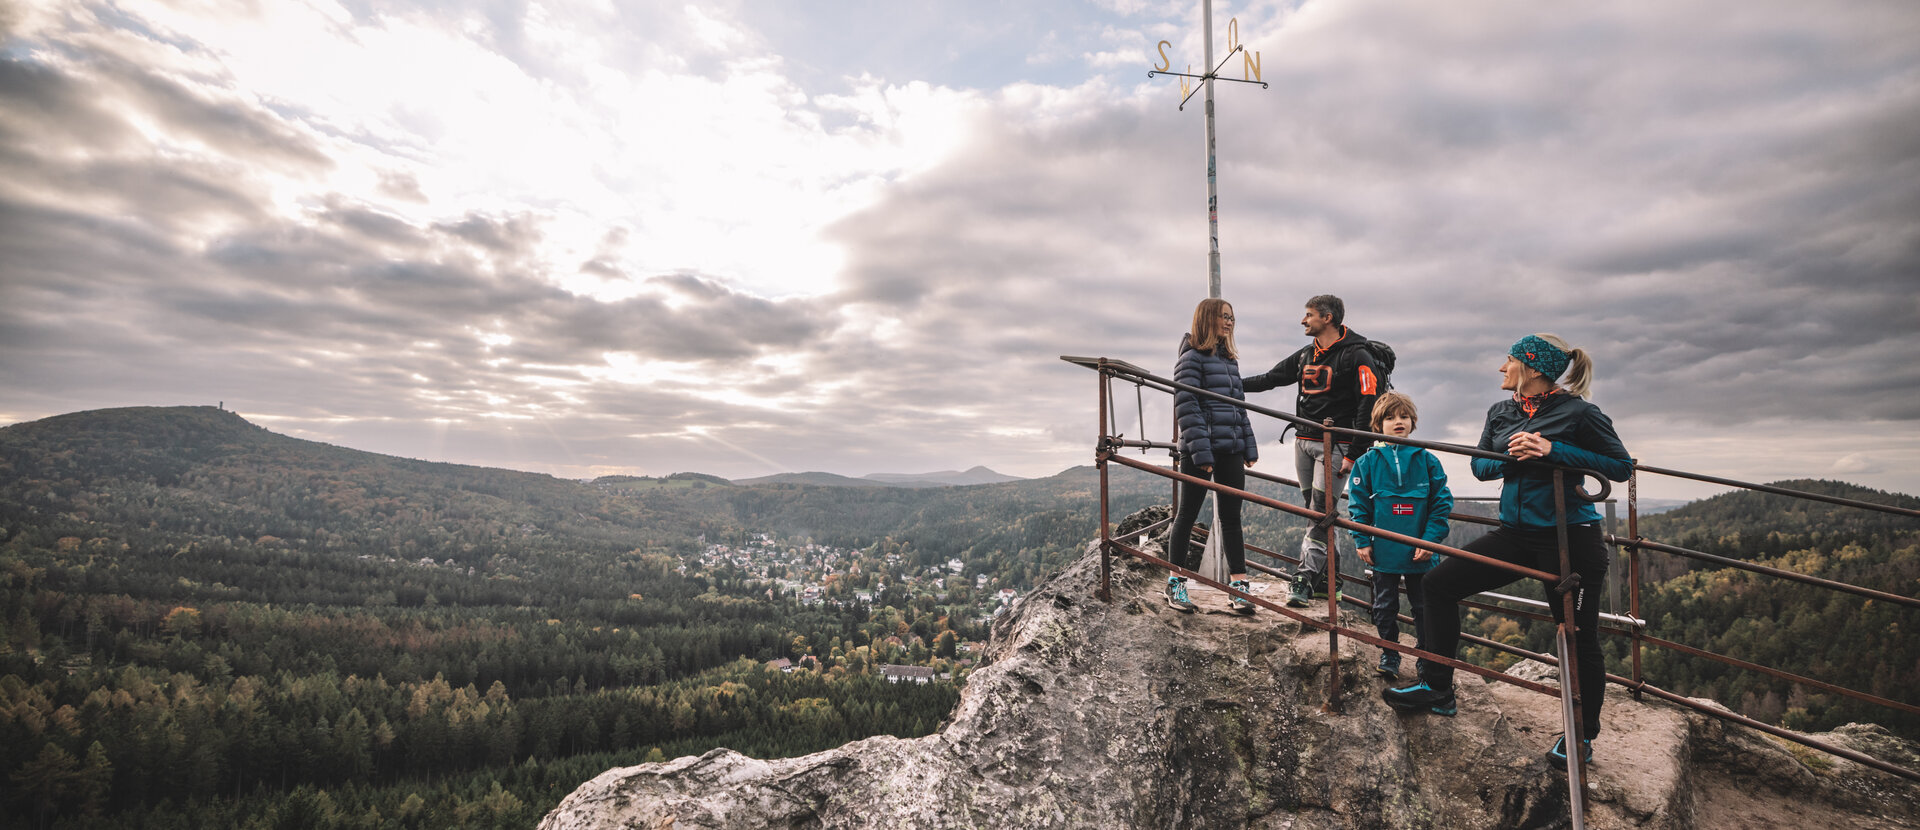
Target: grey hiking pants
{"type": "Point", "coordinates": [1314, 490]}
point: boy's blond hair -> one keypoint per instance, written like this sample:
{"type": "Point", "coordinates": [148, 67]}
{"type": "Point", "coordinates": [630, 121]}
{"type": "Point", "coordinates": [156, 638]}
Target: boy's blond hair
{"type": "Point", "coordinates": [1390, 402]}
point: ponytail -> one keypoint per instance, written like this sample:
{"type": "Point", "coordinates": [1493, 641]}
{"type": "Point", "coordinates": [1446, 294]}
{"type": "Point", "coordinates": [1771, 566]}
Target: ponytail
{"type": "Point", "coordinates": [1578, 378]}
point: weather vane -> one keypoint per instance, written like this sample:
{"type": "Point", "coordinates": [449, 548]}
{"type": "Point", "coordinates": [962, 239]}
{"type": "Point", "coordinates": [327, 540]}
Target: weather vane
{"type": "Point", "coordinates": [1250, 74]}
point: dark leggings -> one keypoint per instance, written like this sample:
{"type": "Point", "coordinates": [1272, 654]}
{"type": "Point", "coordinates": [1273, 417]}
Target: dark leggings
{"type": "Point", "coordinates": [1457, 578]}
{"type": "Point", "coordinates": [1228, 470]}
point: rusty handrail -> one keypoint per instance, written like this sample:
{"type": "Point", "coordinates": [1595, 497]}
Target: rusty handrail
{"type": "Point", "coordinates": [1782, 491]}
{"type": "Point", "coordinates": [1139, 375]}
{"type": "Point", "coordinates": [1741, 564]}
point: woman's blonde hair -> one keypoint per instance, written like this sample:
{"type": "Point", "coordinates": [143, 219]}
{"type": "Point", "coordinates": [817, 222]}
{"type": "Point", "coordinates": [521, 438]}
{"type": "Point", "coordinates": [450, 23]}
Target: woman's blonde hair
{"type": "Point", "coordinates": [1578, 378]}
{"type": "Point", "coordinates": [1206, 333]}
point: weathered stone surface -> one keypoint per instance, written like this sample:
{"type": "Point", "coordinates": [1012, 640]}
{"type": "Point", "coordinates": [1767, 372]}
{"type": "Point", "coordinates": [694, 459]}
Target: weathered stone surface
{"type": "Point", "coordinates": [1128, 714]}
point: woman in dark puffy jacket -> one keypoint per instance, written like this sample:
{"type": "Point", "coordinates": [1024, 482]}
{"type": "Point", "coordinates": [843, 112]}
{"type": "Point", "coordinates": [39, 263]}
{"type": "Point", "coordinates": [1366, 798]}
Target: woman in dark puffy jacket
{"type": "Point", "coordinates": [1216, 442]}
{"type": "Point", "coordinates": [1547, 418]}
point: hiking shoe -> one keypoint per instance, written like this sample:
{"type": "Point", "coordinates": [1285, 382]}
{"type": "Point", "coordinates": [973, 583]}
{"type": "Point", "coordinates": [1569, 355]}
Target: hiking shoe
{"type": "Point", "coordinates": [1301, 592]}
{"type": "Point", "coordinates": [1389, 664]}
{"type": "Point", "coordinates": [1240, 605]}
{"type": "Point", "coordinates": [1177, 595]}
{"type": "Point", "coordinates": [1558, 754]}
{"type": "Point", "coordinates": [1421, 696]}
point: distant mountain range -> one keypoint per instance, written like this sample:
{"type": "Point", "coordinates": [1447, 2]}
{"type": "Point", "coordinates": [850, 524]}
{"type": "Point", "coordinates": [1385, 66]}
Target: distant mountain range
{"type": "Point", "coordinates": [179, 475]}
{"type": "Point", "coordinates": [943, 478]}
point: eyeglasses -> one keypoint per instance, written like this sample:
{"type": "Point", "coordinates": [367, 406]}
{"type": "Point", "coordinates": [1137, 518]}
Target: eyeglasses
{"type": "Point", "coordinates": [1227, 317]}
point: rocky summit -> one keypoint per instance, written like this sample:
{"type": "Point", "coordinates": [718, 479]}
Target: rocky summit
{"type": "Point", "coordinates": [1128, 714]}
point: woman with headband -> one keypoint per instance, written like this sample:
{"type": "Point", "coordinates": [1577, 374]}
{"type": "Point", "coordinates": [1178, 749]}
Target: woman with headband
{"type": "Point", "coordinates": [1547, 419]}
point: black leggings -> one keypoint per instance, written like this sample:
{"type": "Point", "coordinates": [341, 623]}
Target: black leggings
{"type": "Point", "coordinates": [1228, 470]}
{"type": "Point", "coordinates": [1457, 578]}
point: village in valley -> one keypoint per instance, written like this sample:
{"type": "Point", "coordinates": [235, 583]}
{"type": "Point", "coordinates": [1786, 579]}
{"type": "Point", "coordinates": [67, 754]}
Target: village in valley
{"type": "Point", "coordinates": [925, 622]}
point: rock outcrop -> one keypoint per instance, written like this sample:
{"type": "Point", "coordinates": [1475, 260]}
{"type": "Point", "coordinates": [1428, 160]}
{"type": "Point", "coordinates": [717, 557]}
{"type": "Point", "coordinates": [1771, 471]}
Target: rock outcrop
{"type": "Point", "coordinates": [1126, 714]}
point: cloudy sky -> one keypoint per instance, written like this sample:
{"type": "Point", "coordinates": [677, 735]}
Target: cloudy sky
{"type": "Point", "coordinates": [752, 236]}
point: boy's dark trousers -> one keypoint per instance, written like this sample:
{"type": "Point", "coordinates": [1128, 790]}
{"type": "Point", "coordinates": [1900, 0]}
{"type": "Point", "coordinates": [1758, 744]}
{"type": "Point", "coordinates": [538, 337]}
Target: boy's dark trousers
{"type": "Point", "coordinates": [1386, 607]}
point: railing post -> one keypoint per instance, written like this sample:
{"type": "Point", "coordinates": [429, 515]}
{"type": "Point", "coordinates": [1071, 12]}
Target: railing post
{"type": "Point", "coordinates": [1633, 575]}
{"type": "Point", "coordinates": [1612, 520]}
{"type": "Point", "coordinates": [1100, 460]}
{"type": "Point", "coordinates": [1569, 660]}
{"type": "Point", "coordinates": [1173, 455]}
{"type": "Point", "coordinates": [1325, 526]}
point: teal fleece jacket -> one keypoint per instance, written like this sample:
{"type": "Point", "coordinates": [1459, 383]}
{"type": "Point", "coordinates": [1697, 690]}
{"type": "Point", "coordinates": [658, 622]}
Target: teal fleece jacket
{"type": "Point", "coordinates": [1582, 436]}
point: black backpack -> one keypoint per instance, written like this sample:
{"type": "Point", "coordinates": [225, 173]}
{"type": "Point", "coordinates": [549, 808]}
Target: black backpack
{"type": "Point", "coordinates": [1382, 357]}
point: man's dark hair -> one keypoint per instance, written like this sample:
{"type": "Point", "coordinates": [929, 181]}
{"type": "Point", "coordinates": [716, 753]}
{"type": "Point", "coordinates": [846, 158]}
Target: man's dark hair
{"type": "Point", "coordinates": [1328, 305]}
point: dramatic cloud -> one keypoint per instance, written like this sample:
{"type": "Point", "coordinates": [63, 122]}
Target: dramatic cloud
{"type": "Point", "coordinates": [751, 237]}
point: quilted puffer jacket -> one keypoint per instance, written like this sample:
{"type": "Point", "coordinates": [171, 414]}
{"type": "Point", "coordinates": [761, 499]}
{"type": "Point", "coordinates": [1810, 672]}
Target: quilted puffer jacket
{"type": "Point", "coordinates": [1208, 426]}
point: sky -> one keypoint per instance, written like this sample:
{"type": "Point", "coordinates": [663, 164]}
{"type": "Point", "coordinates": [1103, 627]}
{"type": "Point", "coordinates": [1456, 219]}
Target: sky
{"type": "Point", "coordinates": [746, 237]}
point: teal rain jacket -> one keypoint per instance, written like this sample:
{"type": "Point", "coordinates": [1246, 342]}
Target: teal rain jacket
{"type": "Point", "coordinates": [1402, 489]}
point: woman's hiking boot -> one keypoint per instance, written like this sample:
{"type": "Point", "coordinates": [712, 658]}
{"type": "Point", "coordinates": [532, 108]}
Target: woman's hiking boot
{"type": "Point", "coordinates": [1240, 605]}
{"type": "Point", "coordinates": [1177, 595]}
{"type": "Point", "coordinates": [1421, 697]}
{"type": "Point", "coordinates": [1558, 754]}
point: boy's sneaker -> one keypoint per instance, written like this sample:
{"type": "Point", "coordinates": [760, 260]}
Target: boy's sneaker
{"type": "Point", "coordinates": [1240, 605]}
{"type": "Point", "coordinates": [1389, 664]}
{"type": "Point", "coordinates": [1300, 595]}
{"type": "Point", "coordinates": [1421, 696]}
{"type": "Point", "coordinates": [1177, 595]}
{"type": "Point", "coordinates": [1558, 754]}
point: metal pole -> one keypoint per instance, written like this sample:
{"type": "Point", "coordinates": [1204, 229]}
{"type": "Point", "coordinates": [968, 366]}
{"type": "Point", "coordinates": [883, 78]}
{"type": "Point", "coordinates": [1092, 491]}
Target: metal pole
{"type": "Point", "coordinates": [1613, 574]}
{"type": "Point", "coordinates": [1327, 478]}
{"type": "Point", "coordinates": [1106, 529]}
{"type": "Point", "coordinates": [1572, 705]}
{"type": "Point", "coordinates": [1213, 189]}
{"type": "Point", "coordinates": [1633, 574]}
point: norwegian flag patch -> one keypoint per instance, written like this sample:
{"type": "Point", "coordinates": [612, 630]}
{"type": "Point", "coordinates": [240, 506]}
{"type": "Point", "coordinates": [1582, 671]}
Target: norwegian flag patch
{"type": "Point", "coordinates": [1403, 510]}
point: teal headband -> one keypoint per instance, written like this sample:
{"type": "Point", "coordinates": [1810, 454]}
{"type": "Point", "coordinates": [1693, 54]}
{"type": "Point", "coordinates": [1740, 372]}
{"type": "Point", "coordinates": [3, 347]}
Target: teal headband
{"type": "Point", "coordinates": [1540, 356]}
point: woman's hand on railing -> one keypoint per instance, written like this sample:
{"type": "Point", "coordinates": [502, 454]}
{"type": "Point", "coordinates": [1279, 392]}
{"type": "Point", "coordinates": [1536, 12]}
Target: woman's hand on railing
{"type": "Point", "coordinates": [1527, 446]}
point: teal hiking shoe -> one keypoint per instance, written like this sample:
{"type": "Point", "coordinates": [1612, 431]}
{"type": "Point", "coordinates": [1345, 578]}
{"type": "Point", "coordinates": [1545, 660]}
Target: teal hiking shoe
{"type": "Point", "coordinates": [1389, 664]}
{"type": "Point", "coordinates": [1558, 754]}
{"type": "Point", "coordinates": [1177, 595]}
{"type": "Point", "coordinates": [1240, 605]}
{"type": "Point", "coordinates": [1421, 697]}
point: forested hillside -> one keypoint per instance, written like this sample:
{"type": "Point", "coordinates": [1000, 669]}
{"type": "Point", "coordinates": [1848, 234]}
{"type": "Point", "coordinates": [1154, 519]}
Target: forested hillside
{"type": "Point", "coordinates": [1827, 635]}
{"type": "Point", "coordinates": [207, 624]}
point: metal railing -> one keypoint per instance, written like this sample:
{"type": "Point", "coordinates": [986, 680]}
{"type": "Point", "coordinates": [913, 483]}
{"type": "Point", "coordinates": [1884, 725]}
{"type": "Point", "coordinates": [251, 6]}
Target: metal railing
{"type": "Point", "coordinates": [1630, 625]}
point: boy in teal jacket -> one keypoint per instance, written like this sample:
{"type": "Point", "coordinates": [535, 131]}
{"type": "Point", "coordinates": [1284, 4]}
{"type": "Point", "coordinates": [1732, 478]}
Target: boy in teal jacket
{"type": "Point", "coordinates": [1402, 489]}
